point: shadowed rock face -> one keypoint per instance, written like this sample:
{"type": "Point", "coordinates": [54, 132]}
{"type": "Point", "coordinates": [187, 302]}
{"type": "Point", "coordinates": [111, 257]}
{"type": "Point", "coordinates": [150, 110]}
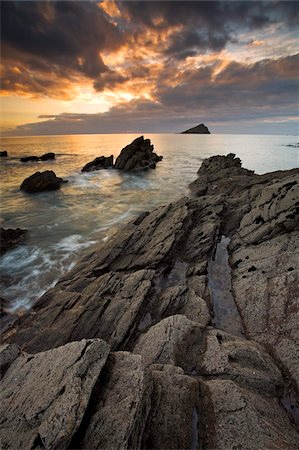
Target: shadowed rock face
{"type": "Point", "coordinates": [42, 181]}
{"type": "Point", "coordinates": [138, 155]}
{"type": "Point", "coordinates": [3, 153]}
{"type": "Point", "coordinates": [173, 380]}
{"type": "Point", "coordinates": [102, 162]}
{"type": "Point", "coordinates": [199, 129]}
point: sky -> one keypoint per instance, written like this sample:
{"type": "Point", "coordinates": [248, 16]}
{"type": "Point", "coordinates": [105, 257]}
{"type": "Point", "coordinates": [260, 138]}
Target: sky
{"type": "Point", "coordinates": [71, 67]}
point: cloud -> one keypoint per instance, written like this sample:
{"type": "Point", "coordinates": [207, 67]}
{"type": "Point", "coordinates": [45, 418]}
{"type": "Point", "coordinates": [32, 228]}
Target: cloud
{"type": "Point", "coordinates": [234, 94]}
{"type": "Point", "coordinates": [64, 39]}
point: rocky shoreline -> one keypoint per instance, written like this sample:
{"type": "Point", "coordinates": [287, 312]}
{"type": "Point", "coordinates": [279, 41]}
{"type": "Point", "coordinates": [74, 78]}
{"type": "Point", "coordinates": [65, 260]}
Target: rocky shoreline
{"type": "Point", "coordinates": [129, 350]}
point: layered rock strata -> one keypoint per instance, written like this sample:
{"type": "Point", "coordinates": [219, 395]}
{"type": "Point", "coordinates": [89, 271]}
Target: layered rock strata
{"type": "Point", "coordinates": [172, 379]}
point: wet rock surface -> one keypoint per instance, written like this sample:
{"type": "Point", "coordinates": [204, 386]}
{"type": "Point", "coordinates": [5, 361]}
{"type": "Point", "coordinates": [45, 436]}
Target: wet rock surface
{"type": "Point", "coordinates": [102, 162]}
{"type": "Point", "coordinates": [42, 181]}
{"type": "Point", "coordinates": [175, 377]}
{"type": "Point", "coordinates": [10, 238]}
{"type": "Point", "coordinates": [139, 155]}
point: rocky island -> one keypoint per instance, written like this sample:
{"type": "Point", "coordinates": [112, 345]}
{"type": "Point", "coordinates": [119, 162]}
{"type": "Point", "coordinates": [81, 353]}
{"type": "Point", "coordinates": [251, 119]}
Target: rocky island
{"type": "Point", "coordinates": [180, 332]}
{"type": "Point", "coordinates": [198, 129]}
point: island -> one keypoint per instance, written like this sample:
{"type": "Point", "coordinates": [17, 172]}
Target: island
{"type": "Point", "coordinates": [198, 129]}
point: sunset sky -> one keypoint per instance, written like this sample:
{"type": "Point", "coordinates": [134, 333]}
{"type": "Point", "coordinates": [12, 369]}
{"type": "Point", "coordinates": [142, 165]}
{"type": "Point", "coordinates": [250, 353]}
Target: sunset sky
{"type": "Point", "coordinates": [147, 66]}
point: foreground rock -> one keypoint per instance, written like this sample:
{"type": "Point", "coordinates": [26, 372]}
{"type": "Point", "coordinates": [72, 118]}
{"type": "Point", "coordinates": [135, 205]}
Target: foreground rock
{"type": "Point", "coordinates": [138, 155]}
{"type": "Point", "coordinates": [42, 181]}
{"type": "Point", "coordinates": [3, 153]}
{"type": "Point", "coordinates": [50, 391]}
{"type": "Point", "coordinates": [174, 380]}
{"type": "Point", "coordinates": [102, 162]}
{"type": "Point", "coordinates": [10, 238]}
{"type": "Point", "coordinates": [198, 129]}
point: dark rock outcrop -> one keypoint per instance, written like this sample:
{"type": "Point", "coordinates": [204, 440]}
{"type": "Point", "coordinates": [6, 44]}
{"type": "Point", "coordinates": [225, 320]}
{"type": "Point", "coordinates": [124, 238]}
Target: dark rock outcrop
{"type": "Point", "coordinates": [29, 159]}
{"type": "Point", "coordinates": [42, 181]}
{"type": "Point", "coordinates": [138, 155]}
{"type": "Point", "coordinates": [3, 153]}
{"type": "Point", "coordinates": [173, 380]}
{"type": "Point", "coordinates": [47, 156]}
{"type": "Point", "coordinates": [10, 238]}
{"type": "Point", "coordinates": [102, 162]}
{"type": "Point", "coordinates": [198, 129]}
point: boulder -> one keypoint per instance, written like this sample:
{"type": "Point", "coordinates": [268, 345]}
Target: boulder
{"type": "Point", "coordinates": [42, 181]}
{"type": "Point", "coordinates": [198, 129]}
{"type": "Point", "coordinates": [47, 156]}
{"type": "Point", "coordinates": [44, 397]}
{"type": "Point", "coordinates": [9, 238]}
{"type": "Point", "coordinates": [102, 162]}
{"type": "Point", "coordinates": [138, 155]}
{"type": "Point", "coordinates": [29, 159]}
{"type": "Point", "coordinates": [3, 153]}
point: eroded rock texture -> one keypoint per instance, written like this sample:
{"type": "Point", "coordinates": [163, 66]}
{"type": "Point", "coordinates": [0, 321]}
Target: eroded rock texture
{"type": "Point", "coordinates": [139, 155]}
{"type": "Point", "coordinates": [174, 380]}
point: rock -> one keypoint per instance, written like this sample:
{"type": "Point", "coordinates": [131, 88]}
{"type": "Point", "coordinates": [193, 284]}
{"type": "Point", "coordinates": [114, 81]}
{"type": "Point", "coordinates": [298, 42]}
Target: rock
{"type": "Point", "coordinates": [198, 129]}
{"type": "Point", "coordinates": [10, 238]}
{"type": "Point", "coordinates": [3, 153]}
{"type": "Point", "coordinates": [138, 155]}
{"type": "Point", "coordinates": [172, 422]}
{"type": "Point", "coordinates": [102, 162]}
{"type": "Point", "coordinates": [42, 181]}
{"type": "Point", "coordinates": [44, 397]}
{"type": "Point", "coordinates": [147, 294]}
{"type": "Point", "coordinates": [47, 156]}
{"type": "Point", "coordinates": [245, 419]}
{"type": "Point", "coordinates": [29, 159]}
{"type": "Point", "coordinates": [121, 405]}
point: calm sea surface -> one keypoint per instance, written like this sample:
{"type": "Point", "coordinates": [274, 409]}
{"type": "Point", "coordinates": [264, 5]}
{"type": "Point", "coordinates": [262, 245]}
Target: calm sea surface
{"type": "Point", "coordinates": [88, 209]}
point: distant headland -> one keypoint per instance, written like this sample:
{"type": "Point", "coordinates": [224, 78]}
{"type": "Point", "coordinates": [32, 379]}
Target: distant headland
{"type": "Point", "coordinates": [199, 129]}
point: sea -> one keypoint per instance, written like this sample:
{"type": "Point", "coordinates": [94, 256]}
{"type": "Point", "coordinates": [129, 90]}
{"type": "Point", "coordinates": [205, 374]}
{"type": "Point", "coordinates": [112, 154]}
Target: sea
{"type": "Point", "coordinates": [63, 225]}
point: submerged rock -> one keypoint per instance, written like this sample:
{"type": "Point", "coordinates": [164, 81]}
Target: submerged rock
{"type": "Point", "coordinates": [47, 156]}
{"type": "Point", "coordinates": [198, 129]}
{"type": "Point", "coordinates": [29, 159]}
{"type": "Point", "coordinates": [138, 155]}
{"type": "Point", "coordinates": [102, 162]}
{"type": "Point", "coordinates": [10, 238]}
{"type": "Point", "coordinates": [42, 181]}
{"type": "Point", "coordinates": [3, 153]}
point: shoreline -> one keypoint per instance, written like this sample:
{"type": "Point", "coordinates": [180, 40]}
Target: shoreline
{"type": "Point", "coordinates": [146, 294]}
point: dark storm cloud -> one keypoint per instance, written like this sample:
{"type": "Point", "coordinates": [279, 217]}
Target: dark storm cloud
{"type": "Point", "coordinates": [236, 96]}
{"type": "Point", "coordinates": [208, 25]}
{"type": "Point", "coordinates": [65, 37]}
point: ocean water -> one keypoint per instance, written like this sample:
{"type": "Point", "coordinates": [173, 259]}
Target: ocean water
{"type": "Point", "coordinates": [63, 225]}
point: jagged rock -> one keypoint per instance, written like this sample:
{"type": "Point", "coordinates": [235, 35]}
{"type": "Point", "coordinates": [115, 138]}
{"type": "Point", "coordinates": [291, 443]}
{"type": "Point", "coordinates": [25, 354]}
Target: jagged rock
{"type": "Point", "coordinates": [138, 155]}
{"type": "Point", "coordinates": [140, 291]}
{"type": "Point", "coordinates": [47, 156]}
{"type": "Point", "coordinates": [44, 397]}
{"type": "Point", "coordinates": [3, 153]}
{"type": "Point", "coordinates": [198, 129]}
{"type": "Point", "coordinates": [9, 238]}
{"type": "Point", "coordinates": [102, 162]}
{"type": "Point", "coordinates": [42, 181]}
{"type": "Point", "coordinates": [121, 405]}
{"type": "Point", "coordinates": [29, 159]}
